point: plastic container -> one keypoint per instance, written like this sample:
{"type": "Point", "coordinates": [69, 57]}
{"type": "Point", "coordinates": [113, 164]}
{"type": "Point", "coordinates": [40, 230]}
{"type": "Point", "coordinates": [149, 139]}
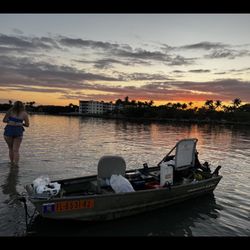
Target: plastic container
{"type": "Point", "coordinates": [166, 174]}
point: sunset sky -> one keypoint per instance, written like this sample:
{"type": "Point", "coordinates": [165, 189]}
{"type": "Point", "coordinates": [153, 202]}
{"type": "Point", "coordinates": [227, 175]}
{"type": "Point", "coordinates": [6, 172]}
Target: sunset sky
{"type": "Point", "coordinates": [63, 58]}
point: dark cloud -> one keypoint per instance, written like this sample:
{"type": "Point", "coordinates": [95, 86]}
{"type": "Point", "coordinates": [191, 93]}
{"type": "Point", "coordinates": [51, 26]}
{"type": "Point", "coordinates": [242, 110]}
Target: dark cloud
{"type": "Point", "coordinates": [243, 70]}
{"type": "Point", "coordinates": [117, 53]}
{"type": "Point", "coordinates": [77, 42]}
{"type": "Point", "coordinates": [132, 56]}
{"type": "Point", "coordinates": [115, 49]}
{"type": "Point", "coordinates": [26, 43]}
{"type": "Point", "coordinates": [26, 72]}
{"type": "Point", "coordinates": [227, 53]}
{"type": "Point", "coordinates": [180, 60]}
{"type": "Point", "coordinates": [220, 73]}
{"type": "Point", "coordinates": [105, 63]}
{"type": "Point", "coordinates": [154, 56]}
{"type": "Point", "coordinates": [204, 45]}
{"type": "Point", "coordinates": [226, 89]}
{"type": "Point", "coordinates": [199, 71]}
{"type": "Point", "coordinates": [147, 77]}
{"type": "Point", "coordinates": [108, 63]}
{"type": "Point", "coordinates": [142, 54]}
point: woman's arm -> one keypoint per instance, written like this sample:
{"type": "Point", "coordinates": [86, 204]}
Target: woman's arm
{"type": "Point", "coordinates": [6, 117]}
{"type": "Point", "coordinates": [26, 120]}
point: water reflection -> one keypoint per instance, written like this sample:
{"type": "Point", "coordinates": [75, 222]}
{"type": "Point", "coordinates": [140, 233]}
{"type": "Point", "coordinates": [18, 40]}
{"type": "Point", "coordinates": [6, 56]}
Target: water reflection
{"type": "Point", "coordinates": [10, 184]}
{"type": "Point", "coordinates": [177, 220]}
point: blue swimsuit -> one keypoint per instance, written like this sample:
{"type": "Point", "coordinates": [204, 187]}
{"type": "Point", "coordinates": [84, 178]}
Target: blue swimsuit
{"type": "Point", "coordinates": [12, 130]}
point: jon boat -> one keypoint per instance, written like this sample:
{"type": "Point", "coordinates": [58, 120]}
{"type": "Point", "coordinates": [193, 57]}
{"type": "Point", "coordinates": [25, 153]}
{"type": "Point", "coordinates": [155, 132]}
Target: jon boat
{"type": "Point", "coordinates": [90, 198]}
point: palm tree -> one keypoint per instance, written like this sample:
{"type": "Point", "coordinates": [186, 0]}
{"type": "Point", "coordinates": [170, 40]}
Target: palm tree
{"type": "Point", "coordinates": [184, 106]}
{"type": "Point", "coordinates": [178, 105]}
{"type": "Point", "coordinates": [217, 104]}
{"type": "Point", "coordinates": [190, 104]}
{"type": "Point", "coordinates": [126, 100]}
{"type": "Point", "coordinates": [209, 104]}
{"type": "Point", "coordinates": [169, 104]}
{"type": "Point", "coordinates": [195, 109]}
{"type": "Point", "coordinates": [133, 102]}
{"type": "Point", "coordinates": [151, 103]}
{"type": "Point", "coordinates": [140, 104]}
{"type": "Point", "coordinates": [32, 103]}
{"type": "Point", "coordinates": [118, 102]}
{"type": "Point", "coordinates": [236, 102]}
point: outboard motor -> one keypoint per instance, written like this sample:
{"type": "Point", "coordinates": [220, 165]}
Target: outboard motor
{"type": "Point", "coordinates": [216, 171]}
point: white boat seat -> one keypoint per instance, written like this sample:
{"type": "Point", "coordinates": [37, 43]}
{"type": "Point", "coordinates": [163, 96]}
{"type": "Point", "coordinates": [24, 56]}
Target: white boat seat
{"type": "Point", "coordinates": [184, 156]}
{"type": "Point", "coordinates": [107, 166]}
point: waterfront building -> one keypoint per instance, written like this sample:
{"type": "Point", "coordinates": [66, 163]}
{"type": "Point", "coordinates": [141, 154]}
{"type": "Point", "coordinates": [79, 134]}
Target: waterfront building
{"type": "Point", "coordinates": [95, 107]}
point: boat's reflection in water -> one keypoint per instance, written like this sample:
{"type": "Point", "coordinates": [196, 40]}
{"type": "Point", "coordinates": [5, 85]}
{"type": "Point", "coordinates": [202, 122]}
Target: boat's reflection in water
{"type": "Point", "coordinates": [175, 220]}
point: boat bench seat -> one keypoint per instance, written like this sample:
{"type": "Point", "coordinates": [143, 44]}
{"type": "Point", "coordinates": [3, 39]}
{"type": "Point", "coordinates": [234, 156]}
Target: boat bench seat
{"type": "Point", "coordinates": [107, 166]}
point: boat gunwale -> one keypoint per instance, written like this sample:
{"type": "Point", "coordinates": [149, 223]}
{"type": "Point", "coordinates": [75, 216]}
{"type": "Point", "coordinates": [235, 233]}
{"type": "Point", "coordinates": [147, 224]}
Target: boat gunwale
{"type": "Point", "coordinates": [106, 195]}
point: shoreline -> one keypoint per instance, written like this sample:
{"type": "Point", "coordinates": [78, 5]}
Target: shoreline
{"type": "Point", "coordinates": [136, 119]}
{"type": "Point", "coordinates": [160, 120]}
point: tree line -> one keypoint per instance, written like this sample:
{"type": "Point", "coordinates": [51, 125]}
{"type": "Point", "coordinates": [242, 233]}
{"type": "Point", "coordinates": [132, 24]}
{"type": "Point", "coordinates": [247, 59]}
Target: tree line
{"type": "Point", "coordinates": [210, 111]}
{"type": "Point", "coordinates": [48, 109]}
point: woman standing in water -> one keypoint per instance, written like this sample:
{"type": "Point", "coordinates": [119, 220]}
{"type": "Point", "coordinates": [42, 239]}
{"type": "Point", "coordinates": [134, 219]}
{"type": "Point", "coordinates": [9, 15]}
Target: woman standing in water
{"type": "Point", "coordinates": [16, 117]}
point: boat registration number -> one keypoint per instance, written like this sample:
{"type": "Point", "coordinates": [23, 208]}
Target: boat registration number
{"type": "Point", "coordinates": [63, 206]}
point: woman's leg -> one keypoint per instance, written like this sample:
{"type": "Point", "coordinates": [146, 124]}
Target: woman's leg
{"type": "Point", "coordinates": [16, 145]}
{"type": "Point", "coordinates": [9, 141]}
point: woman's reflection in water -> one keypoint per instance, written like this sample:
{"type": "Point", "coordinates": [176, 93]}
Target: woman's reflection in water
{"type": "Point", "coordinates": [9, 187]}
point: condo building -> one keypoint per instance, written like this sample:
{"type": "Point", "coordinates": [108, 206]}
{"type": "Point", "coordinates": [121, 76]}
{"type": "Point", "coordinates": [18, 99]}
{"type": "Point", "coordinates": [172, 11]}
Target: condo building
{"type": "Point", "coordinates": [95, 107]}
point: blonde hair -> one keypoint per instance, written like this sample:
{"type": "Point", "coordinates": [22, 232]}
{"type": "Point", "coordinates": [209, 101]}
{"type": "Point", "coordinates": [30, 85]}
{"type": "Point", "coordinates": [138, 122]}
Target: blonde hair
{"type": "Point", "coordinates": [18, 107]}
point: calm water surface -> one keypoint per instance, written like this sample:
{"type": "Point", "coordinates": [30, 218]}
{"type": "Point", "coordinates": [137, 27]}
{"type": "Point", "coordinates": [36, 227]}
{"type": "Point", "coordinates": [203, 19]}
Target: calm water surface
{"type": "Point", "coordinates": [65, 147]}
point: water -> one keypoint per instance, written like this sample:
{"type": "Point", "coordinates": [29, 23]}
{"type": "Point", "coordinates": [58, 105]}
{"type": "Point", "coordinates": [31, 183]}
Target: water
{"type": "Point", "coordinates": [63, 147]}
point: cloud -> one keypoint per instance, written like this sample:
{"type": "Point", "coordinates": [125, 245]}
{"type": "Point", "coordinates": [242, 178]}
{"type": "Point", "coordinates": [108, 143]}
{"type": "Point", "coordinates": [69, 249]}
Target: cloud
{"type": "Point", "coordinates": [124, 51]}
{"type": "Point", "coordinates": [204, 46]}
{"type": "Point", "coordinates": [105, 63]}
{"type": "Point", "coordinates": [220, 73]}
{"type": "Point", "coordinates": [180, 60]}
{"type": "Point", "coordinates": [26, 43]}
{"type": "Point", "coordinates": [111, 53]}
{"type": "Point", "coordinates": [243, 70]}
{"type": "Point", "coordinates": [178, 71]}
{"type": "Point", "coordinates": [199, 71]}
{"type": "Point", "coordinates": [142, 54]}
{"type": "Point", "coordinates": [22, 71]}
{"type": "Point", "coordinates": [37, 89]}
{"type": "Point", "coordinates": [78, 42]}
{"type": "Point", "coordinates": [108, 63]}
{"type": "Point", "coordinates": [26, 72]}
{"type": "Point", "coordinates": [225, 90]}
{"type": "Point", "coordinates": [144, 77]}
{"type": "Point", "coordinates": [226, 53]}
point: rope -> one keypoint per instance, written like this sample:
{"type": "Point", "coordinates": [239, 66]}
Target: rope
{"type": "Point", "coordinates": [27, 215]}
